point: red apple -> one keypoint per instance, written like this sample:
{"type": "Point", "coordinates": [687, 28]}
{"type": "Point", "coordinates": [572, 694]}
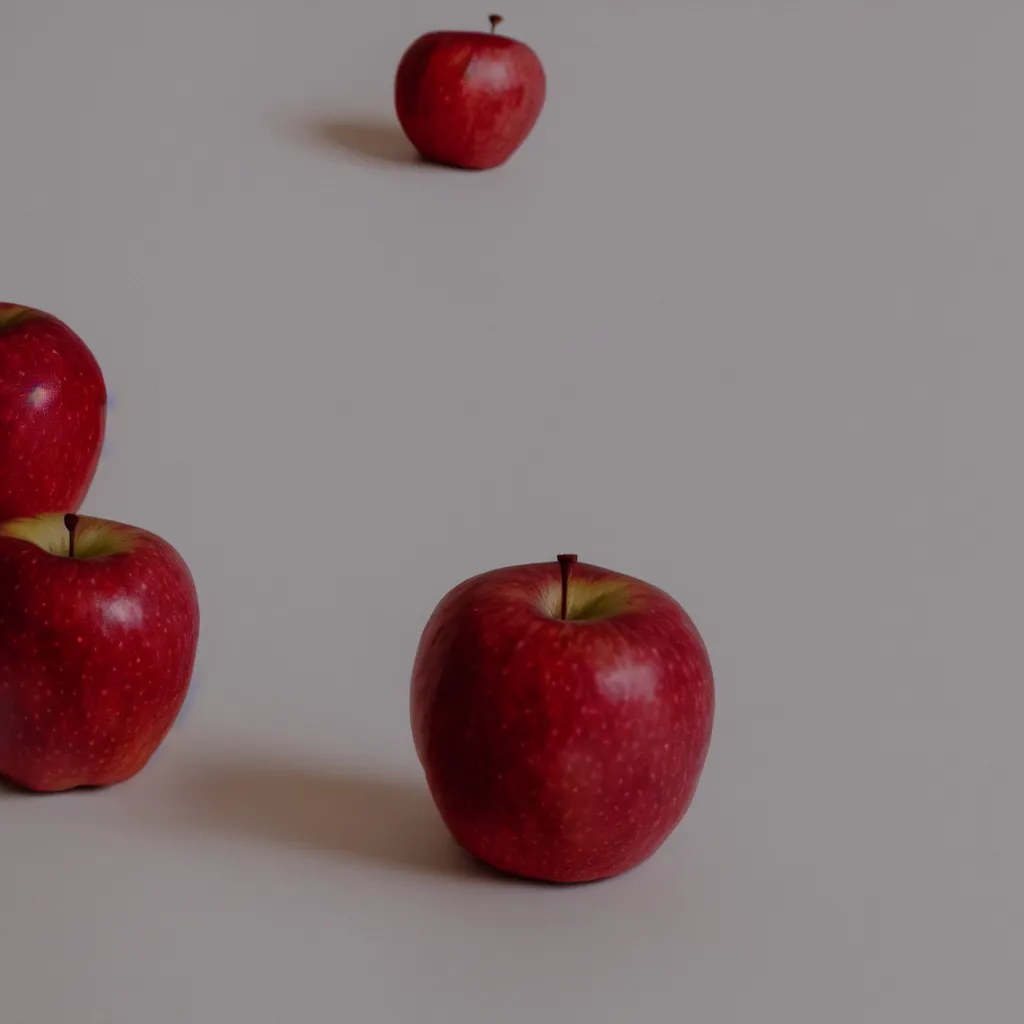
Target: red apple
{"type": "Point", "coordinates": [469, 99]}
{"type": "Point", "coordinates": [53, 407]}
{"type": "Point", "coordinates": [99, 626]}
{"type": "Point", "coordinates": [562, 714]}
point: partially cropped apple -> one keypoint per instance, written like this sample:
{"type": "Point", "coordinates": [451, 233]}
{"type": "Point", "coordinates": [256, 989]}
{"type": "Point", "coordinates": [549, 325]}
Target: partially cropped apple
{"type": "Point", "coordinates": [99, 629]}
{"type": "Point", "coordinates": [53, 406]}
{"type": "Point", "coordinates": [562, 714]}
{"type": "Point", "coordinates": [469, 99]}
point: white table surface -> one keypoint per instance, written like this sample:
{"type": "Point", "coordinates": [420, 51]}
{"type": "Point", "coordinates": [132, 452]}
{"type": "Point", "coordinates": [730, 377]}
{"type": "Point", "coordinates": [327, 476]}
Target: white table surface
{"type": "Point", "coordinates": [743, 317]}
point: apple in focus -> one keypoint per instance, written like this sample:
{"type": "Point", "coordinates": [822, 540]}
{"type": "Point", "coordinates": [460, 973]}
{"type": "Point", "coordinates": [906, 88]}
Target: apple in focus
{"type": "Point", "coordinates": [562, 714]}
{"type": "Point", "coordinates": [53, 407]}
{"type": "Point", "coordinates": [99, 628]}
{"type": "Point", "coordinates": [469, 99]}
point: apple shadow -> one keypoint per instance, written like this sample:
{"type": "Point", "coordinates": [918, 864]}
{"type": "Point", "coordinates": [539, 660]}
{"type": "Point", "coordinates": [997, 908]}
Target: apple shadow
{"type": "Point", "coordinates": [365, 138]}
{"type": "Point", "coordinates": [340, 813]}
{"type": "Point", "coordinates": [344, 814]}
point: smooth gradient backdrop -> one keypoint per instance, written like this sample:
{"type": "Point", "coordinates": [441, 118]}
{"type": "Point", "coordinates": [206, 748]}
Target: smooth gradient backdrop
{"type": "Point", "coordinates": [743, 318]}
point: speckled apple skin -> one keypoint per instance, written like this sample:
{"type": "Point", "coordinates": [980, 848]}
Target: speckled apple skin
{"type": "Point", "coordinates": [563, 751]}
{"type": "Point", "coordinates": [469, 99]}
{"type": "Point", "coordinates": [53, 408]}
{"type": "Point", "coordinates": [96, 655]}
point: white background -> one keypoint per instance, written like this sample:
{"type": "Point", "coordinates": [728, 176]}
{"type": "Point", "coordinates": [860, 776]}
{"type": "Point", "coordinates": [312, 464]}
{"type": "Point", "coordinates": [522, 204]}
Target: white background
{"type": "Point", "coordinates": [742, 318]}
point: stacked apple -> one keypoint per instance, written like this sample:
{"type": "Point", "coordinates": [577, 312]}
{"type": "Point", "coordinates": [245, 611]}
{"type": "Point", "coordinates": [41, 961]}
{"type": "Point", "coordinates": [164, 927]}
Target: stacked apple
{"type": "Point", "coordinates": [99, 621]}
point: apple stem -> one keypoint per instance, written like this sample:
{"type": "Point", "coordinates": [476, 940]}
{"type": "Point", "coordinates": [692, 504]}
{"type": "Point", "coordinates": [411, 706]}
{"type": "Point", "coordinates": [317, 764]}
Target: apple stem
{"type": "Point", "coordinates": [566, 562]}
{"type": "Point", "coordinates": [71, 524]}
{"type": "Point", "coordinates": [496, 20]}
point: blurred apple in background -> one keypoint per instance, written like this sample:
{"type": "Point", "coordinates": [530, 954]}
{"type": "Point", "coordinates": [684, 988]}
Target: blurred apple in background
{"type": "Point", "coordinates": [99, 629]}
{"type": "Point", "coordinates": [469, 99]}
{"type": "Point", "coordinates": [562, 713]}
{"type": "Point", "coordinates": [53, 405]}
